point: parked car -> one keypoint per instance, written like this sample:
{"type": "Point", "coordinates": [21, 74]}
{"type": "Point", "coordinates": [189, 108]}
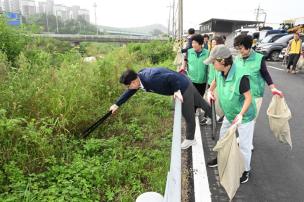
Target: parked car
{"type": "Point", "coordinates": [264, 33]}
{"type": "Point", "coordinates": [272, 50]}
{"type": "Point", "coordinates": [272, 38]}
{"type": "Point", "coordinates": [282, 54]}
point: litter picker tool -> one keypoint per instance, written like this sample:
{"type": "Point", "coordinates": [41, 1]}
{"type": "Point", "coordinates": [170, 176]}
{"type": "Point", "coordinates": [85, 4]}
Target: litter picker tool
{"type": "Point", "coordinates": [89, 130]}
{"type": "Point", "coordinates": [213, 119]}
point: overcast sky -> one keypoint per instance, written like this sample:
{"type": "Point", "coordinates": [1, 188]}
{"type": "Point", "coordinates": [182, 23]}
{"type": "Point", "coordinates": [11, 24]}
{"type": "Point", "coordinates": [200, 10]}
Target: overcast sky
{"type": "Point", "coordinates": [131, 13]}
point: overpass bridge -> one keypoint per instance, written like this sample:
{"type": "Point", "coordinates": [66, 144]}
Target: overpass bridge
{"type": "Point", "coordinates": [76, 38]}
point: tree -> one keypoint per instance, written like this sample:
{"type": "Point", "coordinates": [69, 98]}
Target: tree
{"type": "Point", "coordinates": [156, 32]}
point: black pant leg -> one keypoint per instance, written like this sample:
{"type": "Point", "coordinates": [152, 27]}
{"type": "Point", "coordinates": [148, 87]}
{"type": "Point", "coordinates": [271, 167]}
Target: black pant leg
{"type": "Point", "coordinates": [295, 61]}
{"type": "Point", "coordinates": [200, 87]}
{"type": "Point", "coordinates": [201, 103]}
{"type": "Point", "coordinates": [188, 112]}
{"type": "Point", "coordinates": [290, 60]}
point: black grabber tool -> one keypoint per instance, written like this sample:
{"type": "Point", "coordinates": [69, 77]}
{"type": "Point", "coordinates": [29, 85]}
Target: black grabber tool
{"type": "Point", "coordinates": [213, 119]}
{"type": "Point", "coordinates": [89, 130]}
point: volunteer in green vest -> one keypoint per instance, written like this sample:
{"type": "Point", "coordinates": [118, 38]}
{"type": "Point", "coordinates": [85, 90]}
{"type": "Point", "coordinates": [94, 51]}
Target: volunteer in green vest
{"type": "Point", "coordinates": [255, 64]}
{"type": "Point", "coordinates": [233, 88]}
{"type": "Point", "coordinates": [194, 64]}
{"type": "Point", "coordinates": [196, 69]}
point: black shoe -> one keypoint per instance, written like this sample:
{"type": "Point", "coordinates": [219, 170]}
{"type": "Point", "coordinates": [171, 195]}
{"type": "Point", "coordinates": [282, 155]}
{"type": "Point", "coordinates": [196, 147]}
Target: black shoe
{"type": "Point", "coordinates": [212, 163]}
{"type": "Point", "coordinates": [245, 177]}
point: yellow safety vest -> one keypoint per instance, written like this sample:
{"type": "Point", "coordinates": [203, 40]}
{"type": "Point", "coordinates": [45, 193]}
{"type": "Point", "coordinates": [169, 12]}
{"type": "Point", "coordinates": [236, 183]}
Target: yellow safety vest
{"type": "Point", "coordinates": [295, 47]}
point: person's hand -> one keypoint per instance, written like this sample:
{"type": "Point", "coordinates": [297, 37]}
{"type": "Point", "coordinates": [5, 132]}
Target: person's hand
{"type": "Point", "coordinates": [182, 71]}
{"type": "Point", "coordinates": [178, 95]}
{"type": "Point", "coordinates": [237, 120]}
{"type": "Point", "coordinates": [113, 108]}
{"type": "Point", "coordinates": [275, 91]}
{"type": "Point", "coordinates": [182, 68]}
{"type": "Point", "coordinates": [210, 96]}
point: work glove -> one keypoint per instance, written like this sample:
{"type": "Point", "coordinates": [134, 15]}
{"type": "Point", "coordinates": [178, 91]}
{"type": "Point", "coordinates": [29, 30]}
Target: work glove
{"type": "Point", "coordinates": [275, 91]}
{"type": "Point", "coordinates": [237, 120]}
{"type": "Point", "coordinates": [178, 95]}
{"type": "Point", "coordinates": [210, 96]}
{"type": "Point", "coordinates": [113, 108]}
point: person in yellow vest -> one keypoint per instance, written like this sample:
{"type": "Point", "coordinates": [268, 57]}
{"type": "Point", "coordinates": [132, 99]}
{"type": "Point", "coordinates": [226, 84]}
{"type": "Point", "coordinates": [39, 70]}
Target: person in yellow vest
{"type": "Point", "coordinates": [294, 51]}
{"type": "Point", "coordinates": [233, 87]}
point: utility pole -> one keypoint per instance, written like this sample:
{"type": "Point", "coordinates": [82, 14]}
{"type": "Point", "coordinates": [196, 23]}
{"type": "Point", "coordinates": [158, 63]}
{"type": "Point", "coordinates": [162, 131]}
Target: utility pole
{"type": "Point", "coordinates": [169, 20]}
{"type": "Point", "coordinates": [180, 19]}
{"type": "Point", "coordinates": [265, 15]}
{"type": "Point", "coordinates": [95, 8]}
{"type": "Point", "coordinates": [259, 11]}
{"type": "Point", "coordinates": [79, 27]}
{"type": "Point", "coordinates": [57, 27]}
{"type": "Point", "coordinates": [173, 20]}
{"type": "Point", "coordinates": [47, 21]}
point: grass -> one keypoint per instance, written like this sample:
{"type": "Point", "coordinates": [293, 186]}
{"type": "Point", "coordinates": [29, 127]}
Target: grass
{"type": "Point", "coordinates": [49, 95]}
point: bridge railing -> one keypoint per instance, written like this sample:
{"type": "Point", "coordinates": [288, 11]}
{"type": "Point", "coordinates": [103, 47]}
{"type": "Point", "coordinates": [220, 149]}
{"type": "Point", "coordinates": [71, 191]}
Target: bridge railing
{"type": "Point", "coordinates": [96, 37]}
{"type": "Point", "coordinates": [173, 185]}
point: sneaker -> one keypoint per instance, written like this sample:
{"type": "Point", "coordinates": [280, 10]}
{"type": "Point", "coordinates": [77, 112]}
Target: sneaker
{"type": "Point", "coordinates": [209, 121]}
{"type": "Point", "coordinates": [212, 163]}
{"type": "Point", "coordinates": [245, 177]}
{"type": "Point", "coordinates": [206, 121]}
{"type": "Point", "coordinates": [203, 121]}
{"type": "Point", "coordinates": [220, 120]}
{"type": "Point", "coordinates": [187, 143]}
{"type": "Point", "coordinates": [293, 72]}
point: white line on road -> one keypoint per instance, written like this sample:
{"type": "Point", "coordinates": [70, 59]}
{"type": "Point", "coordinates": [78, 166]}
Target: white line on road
{"type": "Point", "coordinates": [275, 68]}
{"type": "Point", "coordinates": [201, 184]}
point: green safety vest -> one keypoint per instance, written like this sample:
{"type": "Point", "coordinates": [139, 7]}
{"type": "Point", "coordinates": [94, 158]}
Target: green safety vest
{"type": "Point", "coordinates": [197, 70]}
{"type": "Point", "coordinates": [211, 73]}
{"type": "Point", "coordinates": [253, 65]}
{"type": "Point", "coordinates": [231, 101]}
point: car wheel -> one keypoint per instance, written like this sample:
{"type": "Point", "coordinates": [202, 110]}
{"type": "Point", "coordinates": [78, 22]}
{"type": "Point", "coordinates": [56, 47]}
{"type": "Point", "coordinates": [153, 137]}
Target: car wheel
{"type": "Point", "coordinates": [274, 56]}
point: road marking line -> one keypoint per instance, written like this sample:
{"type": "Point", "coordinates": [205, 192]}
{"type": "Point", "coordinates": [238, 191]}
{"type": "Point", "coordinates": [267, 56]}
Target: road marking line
{"type": "Point", "coordinates": [200, 177]}
{"type": "Point", "coordinates": [275, 68]}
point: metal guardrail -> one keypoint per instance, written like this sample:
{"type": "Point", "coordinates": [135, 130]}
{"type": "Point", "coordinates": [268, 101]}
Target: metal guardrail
{"type": "Point", "coordinates": [173, 185]}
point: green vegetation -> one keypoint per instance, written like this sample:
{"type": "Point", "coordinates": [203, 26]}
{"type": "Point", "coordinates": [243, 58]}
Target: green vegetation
{"type": "Point", "coordinates": [49, 95]}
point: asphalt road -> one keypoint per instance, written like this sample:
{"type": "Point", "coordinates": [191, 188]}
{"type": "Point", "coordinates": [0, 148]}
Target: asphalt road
{"type": "Point", "coordinates": [277, 171]}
